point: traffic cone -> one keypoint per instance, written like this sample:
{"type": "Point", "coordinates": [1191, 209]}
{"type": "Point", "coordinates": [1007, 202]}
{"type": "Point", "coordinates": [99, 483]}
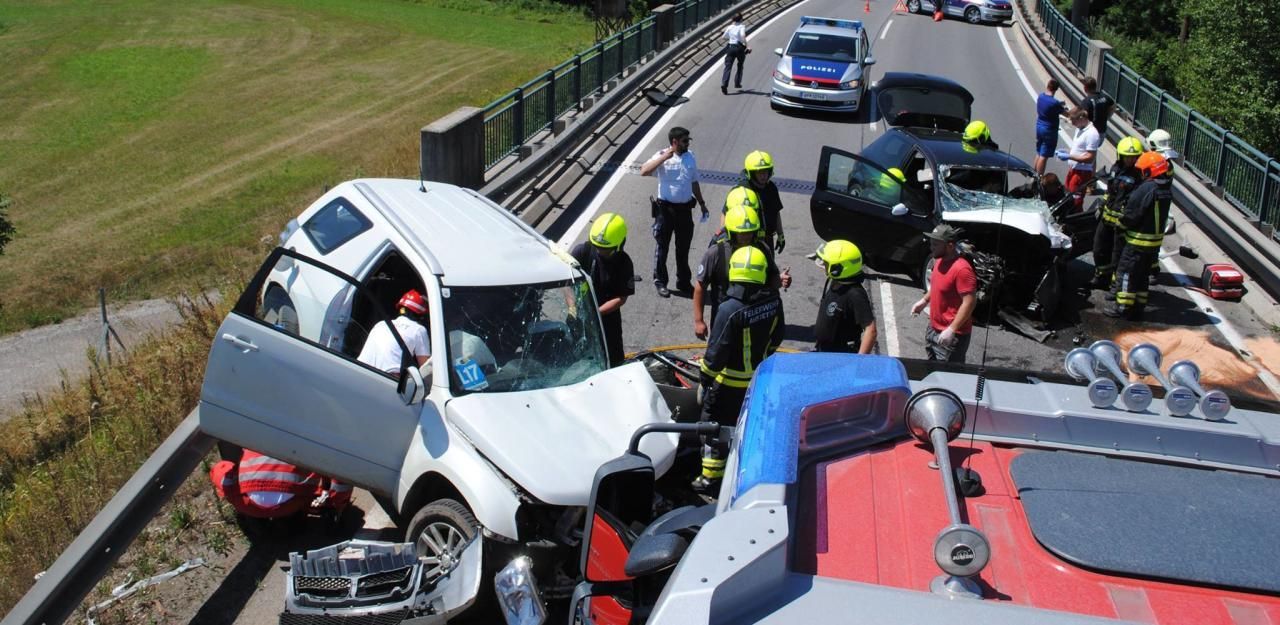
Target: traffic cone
{"type": "Point", "coordinates": [867, 7]}
{"type": "Point", "coordinates": [937, 14]}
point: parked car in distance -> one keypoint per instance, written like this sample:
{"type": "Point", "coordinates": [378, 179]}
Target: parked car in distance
{"type": "Point", "coordinates": [972, 11]}
{"type": "Point", "coordinates": [496, 439]}
{"type": "Point", "coordinates": [824, 66]}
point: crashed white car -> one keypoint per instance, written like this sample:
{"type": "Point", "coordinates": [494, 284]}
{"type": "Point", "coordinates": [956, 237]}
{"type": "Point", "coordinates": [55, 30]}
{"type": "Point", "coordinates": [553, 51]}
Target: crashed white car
{"type": "Point", "coordinates": [497, 437]}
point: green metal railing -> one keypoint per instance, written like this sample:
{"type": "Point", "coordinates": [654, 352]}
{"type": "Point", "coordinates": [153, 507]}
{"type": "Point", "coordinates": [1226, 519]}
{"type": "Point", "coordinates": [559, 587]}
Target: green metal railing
{"type": "Point", "coordinates": [513, 119]}
{"type": "Point", "coordinates": [1250, 180]}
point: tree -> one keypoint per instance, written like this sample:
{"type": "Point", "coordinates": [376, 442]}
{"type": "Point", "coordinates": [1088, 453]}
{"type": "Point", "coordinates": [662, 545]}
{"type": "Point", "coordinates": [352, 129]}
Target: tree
{"type": "Point", "coordinates": [1230, 67]}
{"type": "Point", "coordinates": [6, 228]}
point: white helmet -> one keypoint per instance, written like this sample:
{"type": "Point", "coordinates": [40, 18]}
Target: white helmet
{"type": "Point", "coordinates": [1159, 140]}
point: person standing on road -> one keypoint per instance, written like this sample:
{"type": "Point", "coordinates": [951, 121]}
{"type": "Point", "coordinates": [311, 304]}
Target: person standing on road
{"type": "Point", "coordinates": [1098, 105]}
{"type": "Point", "coordinates": [747, 329]}
{"type": "Point", "coordinates": [757, 175]}
{"type": "Point", "coordinates": [1082, 155]}
{"type": "Point", "coordinates": [612, 276]}
{"type": "Point", "coordinates": [1144, 219]}
{"type": "Point", "coordinates": [844, 314]}
{"type": "Point", "coordinates": [1048, 109]}
{"type": "Point", "coordinates": [672, 207]}
{"type": "Point", "coordinates": [735, 50]}
{"type": "Point", "coordinates": [1108, 239]}
{"type": "Point", "coordinates": [951, 297]}
{"type": "Point", "coordinates": [742, 224]}
{"type": "Point", "coordinates": [383, 348]}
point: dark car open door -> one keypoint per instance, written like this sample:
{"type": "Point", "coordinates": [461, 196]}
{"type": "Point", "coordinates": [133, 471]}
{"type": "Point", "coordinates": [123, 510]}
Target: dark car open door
{"type": "Point", "coordinates": [861, 202]}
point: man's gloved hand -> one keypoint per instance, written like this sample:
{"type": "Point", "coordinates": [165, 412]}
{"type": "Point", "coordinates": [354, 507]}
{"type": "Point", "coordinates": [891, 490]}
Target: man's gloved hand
{"type": "Point", "coordinates": [947, 337]}
{"type": "Point", "coordinates": [1062, 155]}
{"type": "Point", "coordinates": [779, 243]}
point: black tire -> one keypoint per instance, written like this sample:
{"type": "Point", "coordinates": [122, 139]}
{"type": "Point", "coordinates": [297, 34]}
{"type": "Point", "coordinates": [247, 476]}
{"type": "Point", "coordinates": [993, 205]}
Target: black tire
{"type": "Point", "coordinates": [913, 6]}
{"type": "Point", "coordinates": [973, 15]}
{"type": "Point", "coordinates": [277, 309]}
{"type": "Point", "coordinates": [439, 531]}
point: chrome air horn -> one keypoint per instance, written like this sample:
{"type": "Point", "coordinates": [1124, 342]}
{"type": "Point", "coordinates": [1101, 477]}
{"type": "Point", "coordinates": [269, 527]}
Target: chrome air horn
{"type": "Point", "coordinates": [1135, 396]}
{"type": "Point", "coordinates": [1144, 359]}
{"type": "Point", "coordinates": [1081, 364]}
{"type": "Point", "coordinates": [1214, 405]}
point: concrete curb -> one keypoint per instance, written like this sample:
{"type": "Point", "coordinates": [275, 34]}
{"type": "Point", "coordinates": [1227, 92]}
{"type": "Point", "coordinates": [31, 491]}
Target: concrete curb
{"type": "Point", "coordinates": [1220, 225]}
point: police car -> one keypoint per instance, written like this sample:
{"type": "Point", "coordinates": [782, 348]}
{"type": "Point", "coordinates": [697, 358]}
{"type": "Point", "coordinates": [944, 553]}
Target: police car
{"type": "Point", "coordinates": [973, 11]}
{"type": "Point", "coordinates": [823, 67]}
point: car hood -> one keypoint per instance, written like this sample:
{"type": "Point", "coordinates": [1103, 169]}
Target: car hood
{"type": "Point", "coordinates": [820, 71]}
{"type": "Point", "coordinates": [1035, 223]}
{"type": "Point", "coordinates": [551, 441]}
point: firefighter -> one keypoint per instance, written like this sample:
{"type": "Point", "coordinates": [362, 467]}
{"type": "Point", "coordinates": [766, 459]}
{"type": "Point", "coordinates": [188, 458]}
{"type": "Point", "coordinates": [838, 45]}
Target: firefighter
{"type": "Point", "coordinates": [263, 487]}
{"type": "Point", "coordinates": [1145, 215]}
{"type": "Point", "coordinates": [746, 330]}
{"type": "Point", "coordinates": [844, 314]}
{"type": "Point", "coordinates": [742, 224]}
{"type": "Point", "coordinates": [1108, 239]}
{"type": "Point", "coordinates": [612, 275]}
{"type": "Point", "coordinates": [978, 134]}
{"type": "Point", "coordinates": [757, 176]}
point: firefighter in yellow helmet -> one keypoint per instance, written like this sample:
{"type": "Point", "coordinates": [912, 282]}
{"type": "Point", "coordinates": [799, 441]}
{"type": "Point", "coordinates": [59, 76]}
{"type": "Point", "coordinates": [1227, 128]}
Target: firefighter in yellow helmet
{"type": "Point", "coordinates": [746, 330]}
{"type": "Point", "coordinates": [978, 134]}
{"type": "Point", "coordinates": [1144, 218]}
{"type": "Point", "coordinates": [742, 225]}
{"type": "Point", "coordinates": [888, 187]}
{"type": "Point", "coordinates": [844, 314]}
{"type": "Point", "coordinates": [612, 275]}
{"type": "Point", "coordinates": [757, 175]}
{"type": "Point", "coordinates": [1108, 239]}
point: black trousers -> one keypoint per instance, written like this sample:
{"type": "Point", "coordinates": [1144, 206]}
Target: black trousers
{"type": "Point", "coordinates": [1132, 273]}
{"type": "Point", "coordinates": [721, 404]}
{"type": "Point", "coordinates": [1108, 242]}
{"type": "Point", "coordinates": [672, 219]}
{"type": "Point", "coordinates": [733, 52]}
{"type": "Point", "coordinates": [613, 337]}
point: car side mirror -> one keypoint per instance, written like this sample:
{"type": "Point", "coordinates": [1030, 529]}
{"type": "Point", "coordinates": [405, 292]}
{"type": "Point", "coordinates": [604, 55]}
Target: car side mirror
{"type": "Point", "coordinates": [413, 388]}
{"type": "Point", "coordinates": [777, 51]}
{"type": "Point", "coordinates": [655, 553]}
{"type": "Point", "coordinates": [870, 60]}
{"type": "Point", "coordinates": [899, 210]}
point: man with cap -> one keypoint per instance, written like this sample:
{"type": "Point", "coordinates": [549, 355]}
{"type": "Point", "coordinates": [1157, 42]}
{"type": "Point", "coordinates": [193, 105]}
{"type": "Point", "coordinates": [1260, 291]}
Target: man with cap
{"type": "Point", "coordinates": [612, 276]}
{"type": "Point", "coordinates": [951, 295]}
{"type": "Point", "coordinates": [844, 314]}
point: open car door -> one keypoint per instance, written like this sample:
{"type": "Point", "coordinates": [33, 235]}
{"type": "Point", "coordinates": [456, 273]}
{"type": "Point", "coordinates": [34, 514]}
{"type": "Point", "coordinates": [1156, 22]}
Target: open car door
{"type": "Point", "coordinates": [860, 201]}
{"type": "Point", "coordinates": [290, 397]}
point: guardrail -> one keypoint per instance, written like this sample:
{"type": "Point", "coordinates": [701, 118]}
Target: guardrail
{"type": "Point", "coordinates": [510, 121]}
{"type": "Point", "coordinates": [1249, 179]}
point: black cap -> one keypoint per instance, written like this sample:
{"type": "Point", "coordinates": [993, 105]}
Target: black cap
{"type": "Point", "coordinates": [944, 232]}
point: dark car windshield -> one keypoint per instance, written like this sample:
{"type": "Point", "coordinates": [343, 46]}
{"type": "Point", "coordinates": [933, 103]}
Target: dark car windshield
{"type": "Point", "coordinates": [819, 46]}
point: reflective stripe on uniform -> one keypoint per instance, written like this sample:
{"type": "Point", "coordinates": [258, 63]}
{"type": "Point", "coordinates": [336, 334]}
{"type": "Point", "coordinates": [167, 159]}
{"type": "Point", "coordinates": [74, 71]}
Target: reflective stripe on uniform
{"type": "Point", "coordinates": [712, 468]}
{"type": "Point", "coordinates": [1143, 239]}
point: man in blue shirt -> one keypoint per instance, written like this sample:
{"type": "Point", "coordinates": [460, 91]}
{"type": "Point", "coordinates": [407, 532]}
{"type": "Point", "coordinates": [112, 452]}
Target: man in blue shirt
{"type": "Point", "coordinates": [1048, 110]}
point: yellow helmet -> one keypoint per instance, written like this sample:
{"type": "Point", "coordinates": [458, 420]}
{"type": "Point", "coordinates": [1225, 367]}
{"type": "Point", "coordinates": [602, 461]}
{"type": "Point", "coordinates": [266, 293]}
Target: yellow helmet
{"type": "Point", "coordinates": [608, 231]}
{"type": "Point", "coordinates": [742, 218]}
{"type": "Point", "coordinates": [748, 264]}
{"type": "Point", "coordinates": [897, 173]}
{"type": "Point", "coordinates": [842, 258]}
{"type": "Point", "coordinates": [742, 196]}
{"type": "Point", "coordinates": [758, 161]}
{"type": "Point", "coordinates": [977, 131]}
{"type": "Point", "coordinates": [1129, 146]}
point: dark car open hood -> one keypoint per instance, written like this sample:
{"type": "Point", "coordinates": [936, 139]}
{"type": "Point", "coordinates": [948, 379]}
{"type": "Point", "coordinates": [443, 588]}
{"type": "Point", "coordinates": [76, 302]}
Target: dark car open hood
{"type": "Point", "coordinates": [923, 101]}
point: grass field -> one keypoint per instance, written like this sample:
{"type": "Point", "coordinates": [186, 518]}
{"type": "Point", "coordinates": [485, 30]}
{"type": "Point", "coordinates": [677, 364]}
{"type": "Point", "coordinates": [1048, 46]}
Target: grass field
{"type": "Point", "coordinates": [149, 145]}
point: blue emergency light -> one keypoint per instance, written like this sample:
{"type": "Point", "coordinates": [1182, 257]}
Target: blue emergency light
{"type": "Point", "coordinates": [810, 20]}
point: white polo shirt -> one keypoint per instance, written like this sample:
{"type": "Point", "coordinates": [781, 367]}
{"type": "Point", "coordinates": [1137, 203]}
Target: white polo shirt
{"type": "Point", "coordinates": [1086, 140]}
{"type": "Point", "coordinates": [381, 351]}
{"type": "Point", "coordinates": [736, 34]}
{"type": "Point", "coordinates": [676, 176]}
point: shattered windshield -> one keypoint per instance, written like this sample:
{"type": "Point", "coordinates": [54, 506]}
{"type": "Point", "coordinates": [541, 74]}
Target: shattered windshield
{"type": "Point", "coordinates": [994, 195]}
{"type": "Point", "coordinates": [522, 338]}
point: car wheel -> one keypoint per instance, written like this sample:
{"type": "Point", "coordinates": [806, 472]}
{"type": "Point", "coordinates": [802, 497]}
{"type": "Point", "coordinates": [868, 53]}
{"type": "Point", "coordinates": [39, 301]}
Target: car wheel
{"type": "Point", "coordinates": [913, 6]}
{"type": "Point", "coordinates": [278, 310]}
{"type": "Point", "coordinates": [973, 15]}
{"type": "Point", "coordinates": [926, 273]}
{"type": "Point", "coordinates": [439, 532]}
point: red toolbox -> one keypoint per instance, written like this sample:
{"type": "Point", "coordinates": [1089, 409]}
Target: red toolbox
{"type": "Point", "coordinates": [1222, 281]}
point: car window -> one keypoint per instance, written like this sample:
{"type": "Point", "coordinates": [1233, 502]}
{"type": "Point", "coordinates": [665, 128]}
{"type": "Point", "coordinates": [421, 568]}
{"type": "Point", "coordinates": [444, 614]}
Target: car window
{"type": "Point", "coordinates": [821, 46]}
{"type": "Point", "coordinates": [890, 150]}
{"type": "Point", "coordinates": [863, 180]}
{"type": "Point", "coordinates": [522, 337]}
{"type": "Point", "coordinates": [335, 224]}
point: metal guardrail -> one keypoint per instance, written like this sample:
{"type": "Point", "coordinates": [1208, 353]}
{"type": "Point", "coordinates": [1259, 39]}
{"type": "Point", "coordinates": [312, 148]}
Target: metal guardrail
{"type": "Point", "coordinates": [1249, 179]}
{"type": "Point", "coordinates": [510, 121]}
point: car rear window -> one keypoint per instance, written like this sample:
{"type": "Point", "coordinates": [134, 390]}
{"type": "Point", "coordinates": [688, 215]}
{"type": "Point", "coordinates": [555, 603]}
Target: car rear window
{"type": "Point", "coordinates": [335, 224]}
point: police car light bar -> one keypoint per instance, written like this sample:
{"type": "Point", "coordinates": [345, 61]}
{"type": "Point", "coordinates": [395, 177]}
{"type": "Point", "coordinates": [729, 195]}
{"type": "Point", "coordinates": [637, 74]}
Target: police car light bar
{"type": "Point", "coordinates": [830, 21]}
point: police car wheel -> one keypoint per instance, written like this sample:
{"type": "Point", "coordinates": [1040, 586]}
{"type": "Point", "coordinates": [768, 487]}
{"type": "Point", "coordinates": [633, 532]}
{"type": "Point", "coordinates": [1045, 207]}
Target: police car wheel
{"type": "Point", "coordinates": [439, 532]}
{"type": "Point", "coordinates": [973, 15]}
{"type": "Point", "coordinates": [913, 6]}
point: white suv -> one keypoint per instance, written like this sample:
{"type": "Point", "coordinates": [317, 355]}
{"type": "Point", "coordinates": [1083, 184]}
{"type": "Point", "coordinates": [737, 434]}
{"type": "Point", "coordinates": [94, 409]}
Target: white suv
{"type": "Point", "coordinates": [501, 433]}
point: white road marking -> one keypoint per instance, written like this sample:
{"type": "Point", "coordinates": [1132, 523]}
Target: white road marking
{"type": "Point", "coordinates": [886, 29]}
{"type": "Point", "coordinates": [889, 320]}
{"type": "Point", "coordinates": [637, 155]}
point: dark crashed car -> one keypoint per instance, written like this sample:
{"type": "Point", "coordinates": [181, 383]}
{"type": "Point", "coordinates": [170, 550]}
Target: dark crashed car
{"type": "Point", "coordinates": [920, 173]}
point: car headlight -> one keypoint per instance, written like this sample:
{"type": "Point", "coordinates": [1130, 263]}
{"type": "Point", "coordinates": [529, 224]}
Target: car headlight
{"type": "Point", "coordinates": [780, 75]}
{"type": "Point", "coordinates": [518, 594]}
{"type": "Point", "coordinates": [850, 84]}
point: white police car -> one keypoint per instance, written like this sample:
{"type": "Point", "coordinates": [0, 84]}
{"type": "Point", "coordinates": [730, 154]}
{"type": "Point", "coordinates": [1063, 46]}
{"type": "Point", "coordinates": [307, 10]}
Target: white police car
{"type": "Point", "coordinates": [823, 67]}
{"type": "Point", "coordinates": [973, 11]}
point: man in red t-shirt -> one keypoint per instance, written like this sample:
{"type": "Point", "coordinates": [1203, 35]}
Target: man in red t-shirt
{"type": "Point", "coordinates": [951, 298]}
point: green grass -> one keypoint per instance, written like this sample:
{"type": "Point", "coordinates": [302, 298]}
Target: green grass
{"type": "Point", "coordinates": [148, 145]}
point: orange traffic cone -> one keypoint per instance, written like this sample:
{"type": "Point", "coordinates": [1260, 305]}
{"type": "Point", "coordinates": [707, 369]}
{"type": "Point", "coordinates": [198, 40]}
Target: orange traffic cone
{"type": "Point", "coordinates": [937, 14]}
{"type": "Point", "coordinates": [867, 7]}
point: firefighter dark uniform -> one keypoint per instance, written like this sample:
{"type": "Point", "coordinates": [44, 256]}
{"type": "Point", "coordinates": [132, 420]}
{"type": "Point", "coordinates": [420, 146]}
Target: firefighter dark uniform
{"type": "Point", "coordinates": [759, 166]}
{"type": "Point", "coordinates": [1144, 219]}
{"type": "Point", "coordinates": [1108, 239]}
{"type": "Point", "coordinates": [844, 314]}
{"type": "Point", "coordinates": [742, 225]}
{"type": "Point", "coordinates": [612, 275]}
{"type": "Point", "coordinates": [746, 330]}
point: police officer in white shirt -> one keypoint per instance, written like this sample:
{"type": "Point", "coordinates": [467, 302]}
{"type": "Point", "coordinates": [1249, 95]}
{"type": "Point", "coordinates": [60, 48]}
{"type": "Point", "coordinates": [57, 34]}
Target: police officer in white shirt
{"type": "Point", "coordinates": [735, 49]}
{"type": "Point", "coordinates": [382, 350]}
{"type": "Point", "coordinates": [672, 208]}
{"type": "Point", "coordinates": [1084, 151]}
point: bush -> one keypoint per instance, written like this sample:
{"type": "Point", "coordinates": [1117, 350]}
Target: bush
{"type": "Point", "coordinates": [6, 227]}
